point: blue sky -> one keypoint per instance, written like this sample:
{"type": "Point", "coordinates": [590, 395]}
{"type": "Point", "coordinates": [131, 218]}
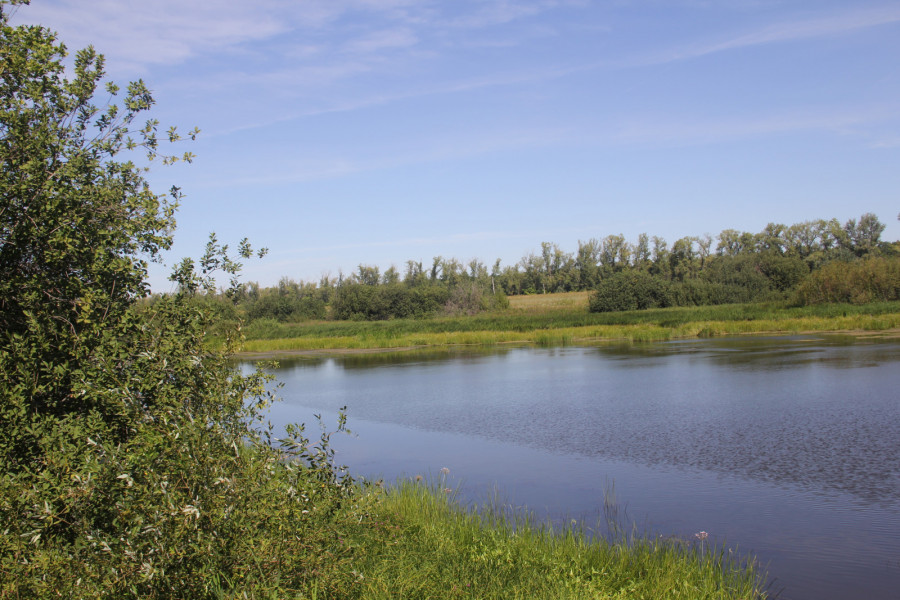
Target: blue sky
{"type": "Point", "coordinates": [340, 132]}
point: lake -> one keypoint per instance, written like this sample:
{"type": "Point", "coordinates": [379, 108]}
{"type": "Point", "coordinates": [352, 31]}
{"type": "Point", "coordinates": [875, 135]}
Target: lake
{"type": "Point", "coordinates": [786, 447]}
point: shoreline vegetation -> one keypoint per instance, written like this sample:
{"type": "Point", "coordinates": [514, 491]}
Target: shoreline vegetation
{"type": "Point", "coordinates": [426, 545]}
{"type": "Point", "coordinates": [564, 319]}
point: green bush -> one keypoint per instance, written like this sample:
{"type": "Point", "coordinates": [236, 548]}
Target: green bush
{"type": "Point", "coordinates": [135, 463]}
{"type": "Point", "coordinates": [356, 301]}
{"type": "Point", "coordinates": [285, 308]}
{"type": "Point", "coordinates": [783, 272]}
{"type": "Point", "coordinates": [726, 280]}
{"type": "Point", "coordinates": [875, 279]}
{"type": "Point", "coordinates": [742, 271]}
{"type": "Point", "coordinates": [469, 298]}
{"type": "Point", "coordinates": [630, 290]}
{"type": "Point", "coordinates": [698, 292]}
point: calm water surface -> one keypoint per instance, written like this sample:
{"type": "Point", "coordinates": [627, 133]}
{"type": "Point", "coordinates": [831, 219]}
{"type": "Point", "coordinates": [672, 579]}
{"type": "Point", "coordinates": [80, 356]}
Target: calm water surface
{"type": "Point", "coordinates": [785, 447]}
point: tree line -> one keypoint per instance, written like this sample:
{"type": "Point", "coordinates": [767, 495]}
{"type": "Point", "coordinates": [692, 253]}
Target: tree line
{"type": "Point", "coordinates": [735, 266]}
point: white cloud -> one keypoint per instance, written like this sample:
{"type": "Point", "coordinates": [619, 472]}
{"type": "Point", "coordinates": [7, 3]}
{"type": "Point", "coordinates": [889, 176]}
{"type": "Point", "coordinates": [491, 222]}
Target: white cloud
{"type": "Point", "coordinates": [171, 31]}
{"type": "Point", "coordinates": [135, 35]}
{"type": "Point", "coordinates": [310, 78]}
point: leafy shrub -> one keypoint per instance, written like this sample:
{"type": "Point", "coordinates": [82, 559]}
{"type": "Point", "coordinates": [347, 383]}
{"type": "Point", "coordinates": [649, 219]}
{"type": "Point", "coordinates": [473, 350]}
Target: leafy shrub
{"type": "Point", "coordinates": [729, 280]}
{"type": "Point", "coordinates": [698, 292]}
{"type": "Point", "coordinates": [783, 272]}
{"type": "Point", "coordinates": [741, 271]}
{"type": "Point", "coordinates": [469, 298]}
{"type": "Point", "coordinates": [630, 290]}
{"type": "Point", "coordinates": [389, 301]}
{"type": "Point", "coordinates": [135, 463]}
{"type": "Point", "coordinates": [874, 279]}
{"type": "Point", "coordinates": [285, 308]}
{"type": "Point", "coordinates": [429, 299]}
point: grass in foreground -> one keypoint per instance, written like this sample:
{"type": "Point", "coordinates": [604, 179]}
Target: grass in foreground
{"type": "Point", "coordinates": [548, 321]}
{"type": "Point", "coordinates": [422, 545]}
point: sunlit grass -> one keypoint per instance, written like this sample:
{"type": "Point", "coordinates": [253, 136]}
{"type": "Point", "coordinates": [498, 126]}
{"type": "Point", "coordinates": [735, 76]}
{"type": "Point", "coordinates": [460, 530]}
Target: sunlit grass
{"type": "Point", "coordinates": [423, 545]}
{"type": "Point", "coordinates": [544, 302]}
{"type": "Point", "coordinates": [561, 322]}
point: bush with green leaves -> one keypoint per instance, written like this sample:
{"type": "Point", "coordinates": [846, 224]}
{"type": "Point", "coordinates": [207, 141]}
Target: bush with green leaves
{"type": "Point", "coordinates": [726, 280]}
{"type": "Point", "coordinates": [875, 279]}
{"type": "Point", "coordinates": [135, 461]}
{"type": "Point", "coordinates": [700, 292]}
{"type": "Point", "coordinates": [284, 308]}
{"type": "Point", "coordinates": [470, 298]}
{"type": "Point", "coordinates": [740, 271]}
{"type": "Point", "coordinates": [358, 301]}
{"type": "Point", "coordinates": [630, 290]}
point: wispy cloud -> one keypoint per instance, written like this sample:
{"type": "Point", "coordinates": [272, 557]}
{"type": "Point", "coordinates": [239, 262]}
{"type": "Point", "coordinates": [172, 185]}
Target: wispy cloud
{"type": "Point", "coordinates": [795, 30]}
{"type": "Point", "coordinates": [135, 34]}
{"type": "Point", "coordinates": [170, 31]}
{"type": "Point", "coordinates": [375, 99]}
{"type": "Point", "coordinates": [789, 31]}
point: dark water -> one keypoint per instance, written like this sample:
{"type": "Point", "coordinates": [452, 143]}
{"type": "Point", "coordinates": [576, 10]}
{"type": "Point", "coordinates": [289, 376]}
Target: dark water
{"type": "Point", "coordinates": [788, 448]}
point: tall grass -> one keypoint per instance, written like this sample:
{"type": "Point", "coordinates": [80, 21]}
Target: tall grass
{"type": "Point", "coordinates": [423, 545]}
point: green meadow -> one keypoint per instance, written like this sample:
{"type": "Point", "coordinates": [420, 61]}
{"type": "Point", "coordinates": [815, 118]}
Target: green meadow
{"type": "Point", "coordinates": [560, 319]}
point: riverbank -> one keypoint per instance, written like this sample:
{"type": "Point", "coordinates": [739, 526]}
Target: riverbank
{"type": "Point", "coordinates": [563, 319]}
{"type": "Point", "coordinates": [420, 544]}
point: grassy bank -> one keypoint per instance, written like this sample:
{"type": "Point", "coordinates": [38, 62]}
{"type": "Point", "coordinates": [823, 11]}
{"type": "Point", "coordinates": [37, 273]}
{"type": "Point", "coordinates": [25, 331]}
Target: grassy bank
{"type": "Point", "coordinates": [557, 319]}
{"type": "Point", "coordinates": [419, 544]}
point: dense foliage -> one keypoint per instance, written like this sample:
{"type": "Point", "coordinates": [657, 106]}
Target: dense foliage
{"type": "Point", "coordinates": [392, 300]}
{"type": "Point", "coordinates": [876, 279]}
{"type": "Point", "coordinates": [288, 301]}
{"type": "Point", "coordinates": [134, 460]}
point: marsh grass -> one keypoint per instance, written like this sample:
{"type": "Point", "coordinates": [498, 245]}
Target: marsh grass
{"type": "Point", "coordinates": [564, 322]}
{"type": "Point", "coordinates": [423, 545]}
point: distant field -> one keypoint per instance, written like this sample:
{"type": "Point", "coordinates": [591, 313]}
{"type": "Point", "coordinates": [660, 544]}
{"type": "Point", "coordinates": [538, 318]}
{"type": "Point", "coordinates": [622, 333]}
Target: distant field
{"type": "Point", "coordinates": [542, 302]}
